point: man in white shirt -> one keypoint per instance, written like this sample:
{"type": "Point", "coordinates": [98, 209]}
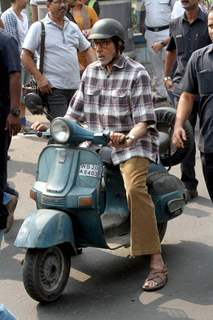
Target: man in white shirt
{"type": "Point", "coordinates": [61, 73]}
{"type": "Point", "coordinates": [155, 18]}
{"type": "Point", "coordinates": [15, 20]}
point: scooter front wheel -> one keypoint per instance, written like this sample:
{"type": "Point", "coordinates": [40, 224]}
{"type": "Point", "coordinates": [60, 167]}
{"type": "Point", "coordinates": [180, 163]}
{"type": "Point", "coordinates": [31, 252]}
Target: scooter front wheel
{"type": "Point", "coordinates": [46, 272]}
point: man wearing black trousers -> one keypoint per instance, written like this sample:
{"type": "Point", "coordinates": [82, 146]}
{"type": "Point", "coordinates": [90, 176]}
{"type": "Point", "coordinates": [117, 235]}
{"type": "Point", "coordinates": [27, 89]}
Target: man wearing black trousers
{"type": "Point", "coordinates": [10, 90]}
{"type": "Point", "coordinates": [188, 33]}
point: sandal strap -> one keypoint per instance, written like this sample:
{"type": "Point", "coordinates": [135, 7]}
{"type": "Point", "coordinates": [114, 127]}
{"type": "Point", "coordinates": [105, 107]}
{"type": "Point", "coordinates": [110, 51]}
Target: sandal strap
{"type": "Point", "coordinates": [160, 274]}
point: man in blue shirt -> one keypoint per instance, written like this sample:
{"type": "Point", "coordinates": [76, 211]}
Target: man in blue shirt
{"type": "Point", "coordinates": [10, 90]}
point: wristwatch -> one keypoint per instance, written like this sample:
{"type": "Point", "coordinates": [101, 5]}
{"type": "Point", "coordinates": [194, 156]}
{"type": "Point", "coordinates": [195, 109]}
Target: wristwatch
{"type": "Point", "coordinates": [15, 112]}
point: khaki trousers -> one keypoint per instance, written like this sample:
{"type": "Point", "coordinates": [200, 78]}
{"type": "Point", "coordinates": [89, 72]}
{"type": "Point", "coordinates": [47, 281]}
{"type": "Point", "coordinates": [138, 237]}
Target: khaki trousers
{"type": "Point", "coordinates": [144, 233]}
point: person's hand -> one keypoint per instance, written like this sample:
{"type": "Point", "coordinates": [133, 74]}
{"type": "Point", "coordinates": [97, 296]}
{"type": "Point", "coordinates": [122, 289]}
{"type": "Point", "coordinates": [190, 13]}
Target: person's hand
{"type": "Point", "coordinates": [117, 140]}
{"type": "Point", "coordinates": [13, 124]}
{"type": "Point", "coordinates": [44, 85]}
{"type": "Point", "coordinates": [120, 140]}
{"type": "Point", "coordinates": [39, 126]}
{"type": "Point", "coordinates": [168, 83]}
{"type": "Point", "coordinates": [179, 137]}
{"type": "Point", "coordinates": [157, 47]}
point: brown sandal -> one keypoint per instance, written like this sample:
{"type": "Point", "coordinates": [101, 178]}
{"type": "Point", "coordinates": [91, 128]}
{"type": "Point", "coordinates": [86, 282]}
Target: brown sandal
{"type": "Point", "coordinates": [158, 277]}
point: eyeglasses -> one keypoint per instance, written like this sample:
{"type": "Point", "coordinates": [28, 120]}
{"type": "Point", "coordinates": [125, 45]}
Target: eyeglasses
{"type": "Point", "coordinates": [102, 43]}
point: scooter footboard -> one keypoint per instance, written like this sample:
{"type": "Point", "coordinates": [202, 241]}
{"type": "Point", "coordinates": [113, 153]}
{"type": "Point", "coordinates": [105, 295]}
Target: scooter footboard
{"type": "Point", "coordinates": [45, 228]}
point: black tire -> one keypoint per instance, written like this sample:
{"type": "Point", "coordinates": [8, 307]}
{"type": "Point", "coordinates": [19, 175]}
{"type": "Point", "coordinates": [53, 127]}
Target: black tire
{"type": "Point", "coordinates": [162, 226]}
{"type": "Point", "coordinates": [165, 124]}
{"type": "Point", "coordinates": [46, 272]}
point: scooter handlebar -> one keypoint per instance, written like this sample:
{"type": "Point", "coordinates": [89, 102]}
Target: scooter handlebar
{"type": "Point", "coordinates": [32, 132]}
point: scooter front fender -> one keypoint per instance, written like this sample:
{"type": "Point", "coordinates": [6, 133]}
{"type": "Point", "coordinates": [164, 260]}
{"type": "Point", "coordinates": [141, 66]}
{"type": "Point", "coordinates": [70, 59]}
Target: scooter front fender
{"type": "Point", "coordinates": [45, 228]}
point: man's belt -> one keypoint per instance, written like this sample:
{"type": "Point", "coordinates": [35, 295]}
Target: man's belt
{"type": "Point", "coordinates": [156, 29]}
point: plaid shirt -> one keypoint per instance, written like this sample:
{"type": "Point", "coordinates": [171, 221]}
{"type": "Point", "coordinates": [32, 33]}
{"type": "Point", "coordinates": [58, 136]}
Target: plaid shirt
{"type": "Point", "coordinates": [117, 102]}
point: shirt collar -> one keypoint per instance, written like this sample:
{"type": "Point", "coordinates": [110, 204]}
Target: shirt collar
{"type": "Point", "coordinates": [201, 16]}
{"type": "Point", "coordinates": [118, 63]}
{"type": "Point", "coordinates": [47, 19]}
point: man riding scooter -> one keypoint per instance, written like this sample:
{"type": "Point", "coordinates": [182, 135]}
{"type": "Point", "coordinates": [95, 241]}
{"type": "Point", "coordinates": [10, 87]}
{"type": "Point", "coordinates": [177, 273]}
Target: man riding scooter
{"type": "Point", "coordinates": [115, 94]}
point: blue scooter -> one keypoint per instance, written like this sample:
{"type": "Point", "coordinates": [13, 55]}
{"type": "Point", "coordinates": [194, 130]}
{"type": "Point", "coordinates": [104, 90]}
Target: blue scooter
{"type": "Point", "coordinates": [81, 202]}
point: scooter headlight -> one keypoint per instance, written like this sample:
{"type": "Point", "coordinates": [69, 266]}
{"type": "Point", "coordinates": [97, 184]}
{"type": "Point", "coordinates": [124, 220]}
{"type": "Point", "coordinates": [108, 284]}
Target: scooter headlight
{"type": "Point", "coordinates": [60, 130]}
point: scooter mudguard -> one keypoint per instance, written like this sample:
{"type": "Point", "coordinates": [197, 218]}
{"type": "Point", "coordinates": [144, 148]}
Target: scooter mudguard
{"type": "Point", "coordinates": [45, 228]}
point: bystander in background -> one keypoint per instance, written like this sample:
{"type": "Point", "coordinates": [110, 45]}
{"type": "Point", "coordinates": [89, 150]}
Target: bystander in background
{"type": "Point", "coordinates": [15, 22]}
{"type": "Point", "coordinates": [153, 21]}
{"type": "Point", "coordinates": [188, 33]}
{"type": "Point", "coordinates": [61, 72]}
{"type": "Point", "coordinates": [93, 4]}
{"type": "Point", "coordinates": [85, 17]}
{"type": "Point", "coordinates": [10, 89]}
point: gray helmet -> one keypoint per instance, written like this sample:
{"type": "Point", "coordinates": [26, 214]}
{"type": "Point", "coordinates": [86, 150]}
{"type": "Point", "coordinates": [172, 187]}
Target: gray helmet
{"type": "Point", "coordinates": [107, 28]}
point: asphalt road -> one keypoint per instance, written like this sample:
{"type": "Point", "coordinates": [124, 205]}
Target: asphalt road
{"type": "Point", "coordinates": [105, 285]}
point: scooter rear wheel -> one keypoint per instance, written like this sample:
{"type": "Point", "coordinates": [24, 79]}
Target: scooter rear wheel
{"type": "Point", "coordinates": [46, 272]}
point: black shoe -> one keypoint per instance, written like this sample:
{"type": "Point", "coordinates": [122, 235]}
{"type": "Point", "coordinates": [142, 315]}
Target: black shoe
{"type": "Point", "coordinates": [191, 194]}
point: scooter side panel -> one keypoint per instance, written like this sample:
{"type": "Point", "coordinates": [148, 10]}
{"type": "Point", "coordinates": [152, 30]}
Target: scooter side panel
{"type": "Point", "coordinates": [66, 175]}
{"type": "Point", "coordinates": [88, 229]}
{"type": "Point", "coordinates": [45, 228]}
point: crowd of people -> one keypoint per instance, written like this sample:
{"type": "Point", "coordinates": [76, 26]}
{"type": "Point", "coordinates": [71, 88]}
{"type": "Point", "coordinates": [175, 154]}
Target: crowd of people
{"type": "Point", "coordinates": [83, 64]}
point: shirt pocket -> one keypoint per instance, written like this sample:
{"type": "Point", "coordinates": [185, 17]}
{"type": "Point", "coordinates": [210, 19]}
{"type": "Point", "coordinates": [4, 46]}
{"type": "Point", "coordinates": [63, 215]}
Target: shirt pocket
{"type": "Point", "coordinates": [205, 83]}
{"type": "Point", "coordinates": [120, 106]}
{"type": "Point", "coordinates": [121, 99]}
{"type": "Point", "coordinates": [179, 44]}
{"type": "Point", "coordinates": [91, 96]}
